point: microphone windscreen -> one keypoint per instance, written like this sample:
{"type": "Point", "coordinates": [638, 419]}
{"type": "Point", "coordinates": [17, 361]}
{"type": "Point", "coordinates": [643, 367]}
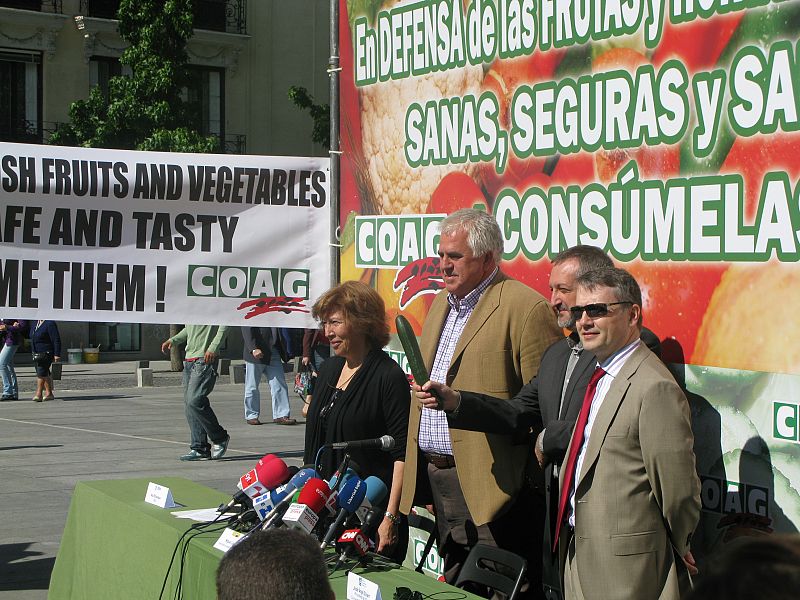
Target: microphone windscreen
{"type": "Point", "coordinates": [352, 494]}
{"type": "Point", "coordinates": [297, 481]}
{"type": "Point", "coordinates": [314, 494]}
{"type": "Point", "coordinates": [272, 473]}
{"type": "Point", "coordinates": [302, 476]}
{"type": "Point", "coordinates": [376, 489]}
{"type": "Point", "coordinates": [349, 474]}
{"type": "Point", "coordinates": [267, 458]}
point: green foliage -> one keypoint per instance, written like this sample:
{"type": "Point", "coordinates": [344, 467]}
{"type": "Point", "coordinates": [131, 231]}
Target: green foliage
{"type": "Point", "coordinates": [363, 8]}
{"type": "Point", "coordinates": [321, 113]}
{"type": "Point", "coordinates": [144, 111]}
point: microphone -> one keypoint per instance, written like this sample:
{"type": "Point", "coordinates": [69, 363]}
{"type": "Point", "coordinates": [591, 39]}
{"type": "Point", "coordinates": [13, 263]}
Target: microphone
{"type": "Point", "coordinates": [350, 498]}
{"type": "Point", "coordinates": [264, 503]}
{"type": "Point", "coordinates": [283, 497]}
{"type": "Point", "coordinates": [348, 474]}
{"type": "Point", "coordinates": [376, 492]}
{"type": "Point", "coordinates": [385, 442]}
{"type": "Point", "coordinates": [265, 475]}
{"type": "Point", "coordinates": [351, 541]}
{"type": "Point", "coordinates": [304, 514]}
{"type": "Point", "coordinates": [357, 540]}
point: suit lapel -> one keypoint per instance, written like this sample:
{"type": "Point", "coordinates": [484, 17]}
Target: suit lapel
{"type": "Point", "coordinates": [585, 361]}
{"type": "Point", "coordinates": [608, 410]}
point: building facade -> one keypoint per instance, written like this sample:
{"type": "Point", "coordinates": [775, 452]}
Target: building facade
{"type": "Point", "coordinates": [244, 55]}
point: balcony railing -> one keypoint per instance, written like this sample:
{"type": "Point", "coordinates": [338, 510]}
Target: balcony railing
{"type": "Point", "coordinates": [221, 15]}
{"type": "Point", "coordinates": [51, 6]}
{"type": "Point", "coordinates": [100, 9]}
{"type": "Point", "coordinates": [234, 143]}
{"type": "Point", "coordinates": [215, 15]}
{"type": "Point", "coordinates": [29, 132]}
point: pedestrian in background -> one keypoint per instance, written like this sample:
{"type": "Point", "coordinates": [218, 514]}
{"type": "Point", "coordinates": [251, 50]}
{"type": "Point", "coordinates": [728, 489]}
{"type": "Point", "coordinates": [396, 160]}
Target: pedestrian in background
{"type": "Point", "coordinates": [199, 377]}
{"type": "Point", "coordinates": [316, 349]}
{"type": "Point", "coordinates": [264, 353]}
{"type": "Point", "coordinates": [46, 349]}
{"type": "Point", "coordinates": [11, 338]}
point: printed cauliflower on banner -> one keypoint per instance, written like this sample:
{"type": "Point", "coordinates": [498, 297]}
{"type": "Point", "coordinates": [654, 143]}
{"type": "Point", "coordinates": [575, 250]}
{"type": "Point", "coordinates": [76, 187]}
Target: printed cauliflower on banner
{"type": "Point", "coordinates": [397, 187]}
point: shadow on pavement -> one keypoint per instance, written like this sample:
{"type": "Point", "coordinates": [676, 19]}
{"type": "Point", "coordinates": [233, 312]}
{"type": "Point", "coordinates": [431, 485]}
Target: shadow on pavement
{"type": "Point", "coordinates": [97, 397]}
{"type": "Point", "coordinates": [36, 446]}
{"type": "Point", "coordinates": [30, 574]}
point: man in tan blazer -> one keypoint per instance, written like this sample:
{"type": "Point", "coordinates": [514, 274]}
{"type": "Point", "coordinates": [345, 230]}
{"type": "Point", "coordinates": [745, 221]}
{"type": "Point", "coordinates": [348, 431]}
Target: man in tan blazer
{"type": "Point", "coordinates": [484, 332]}
{"type": "Point", "coordinates": [629, 495]}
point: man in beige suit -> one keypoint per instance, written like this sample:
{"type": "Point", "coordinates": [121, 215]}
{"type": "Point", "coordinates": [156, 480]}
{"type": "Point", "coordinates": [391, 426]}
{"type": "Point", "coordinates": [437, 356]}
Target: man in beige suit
{"type": "Point", "coordinates": [629, 496]}
{"type": "Point", "coordinates": [484, 332]}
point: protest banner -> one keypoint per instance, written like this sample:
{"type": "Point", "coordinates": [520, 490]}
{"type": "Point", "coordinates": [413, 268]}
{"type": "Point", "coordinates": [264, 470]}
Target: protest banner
{"type": "Point", "coordinates": [149, 237]}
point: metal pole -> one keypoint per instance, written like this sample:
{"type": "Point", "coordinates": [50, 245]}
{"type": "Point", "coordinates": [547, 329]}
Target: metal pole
{"type": "Point", "coordinates": [333, 73]}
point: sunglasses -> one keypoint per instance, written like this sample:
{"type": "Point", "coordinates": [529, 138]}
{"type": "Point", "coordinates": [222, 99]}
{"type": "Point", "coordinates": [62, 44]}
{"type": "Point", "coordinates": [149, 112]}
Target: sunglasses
{"type": "Point", "coordinates": [595, 311]}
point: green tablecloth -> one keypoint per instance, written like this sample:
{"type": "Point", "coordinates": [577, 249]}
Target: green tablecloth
{"type": "Point", "coordinates": [115, 545]}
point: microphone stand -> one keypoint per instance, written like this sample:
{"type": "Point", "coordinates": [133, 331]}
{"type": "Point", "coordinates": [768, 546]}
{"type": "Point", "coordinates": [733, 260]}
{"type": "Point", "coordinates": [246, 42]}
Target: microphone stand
{"type": "Point", "coordinates": [342, 470]}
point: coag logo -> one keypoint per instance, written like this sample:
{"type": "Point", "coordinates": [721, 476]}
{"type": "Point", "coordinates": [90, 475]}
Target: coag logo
{"type": "Point", "coordinates": [212, 281]}
{"type": "Point", "coordinates": [391, 242]}
{"type": "Point", "coordinates": [400, 359]}
{"type": "Point", "coordinates": [786, 422]}
{"type": "Point", "coordinates": [724, 497]}
{"type": "Point", "coordinates": [433, 563]}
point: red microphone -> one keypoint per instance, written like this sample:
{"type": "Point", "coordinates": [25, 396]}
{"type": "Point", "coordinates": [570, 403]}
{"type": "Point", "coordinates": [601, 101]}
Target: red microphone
{"type": "Point", "coordinates": [269, 473]}
{"type": "Point", "coordinates": [304, 514]}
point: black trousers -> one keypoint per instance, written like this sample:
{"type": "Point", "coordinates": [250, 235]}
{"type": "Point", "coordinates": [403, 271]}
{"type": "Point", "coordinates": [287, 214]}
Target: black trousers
{"type": "Point", "coordinates": [518, 530]}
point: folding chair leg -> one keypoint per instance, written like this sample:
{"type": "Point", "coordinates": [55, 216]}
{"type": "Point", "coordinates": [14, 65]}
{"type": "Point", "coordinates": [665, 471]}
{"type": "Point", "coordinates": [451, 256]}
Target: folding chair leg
{"type": "Point", "coordinates": [425, 552]}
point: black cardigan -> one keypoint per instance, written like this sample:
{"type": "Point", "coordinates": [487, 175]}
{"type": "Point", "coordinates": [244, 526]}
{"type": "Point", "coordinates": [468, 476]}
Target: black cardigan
{"type": "Point", "coordinates": [375, 403]}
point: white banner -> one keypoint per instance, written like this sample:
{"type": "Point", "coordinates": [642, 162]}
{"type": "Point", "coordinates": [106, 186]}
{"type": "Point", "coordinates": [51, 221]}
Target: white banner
{"type": "Point", "coordinates": [152, 237]}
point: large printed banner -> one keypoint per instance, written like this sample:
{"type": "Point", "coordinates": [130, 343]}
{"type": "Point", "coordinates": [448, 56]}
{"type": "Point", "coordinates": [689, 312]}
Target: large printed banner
{"type": "Point", "coordinates": [149, 237]}
{"type": "Point", "coordinates": [666, 132]}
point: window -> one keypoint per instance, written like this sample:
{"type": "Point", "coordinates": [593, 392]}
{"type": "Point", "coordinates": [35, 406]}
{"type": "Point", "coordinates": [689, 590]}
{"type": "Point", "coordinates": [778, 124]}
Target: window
{"type": "Point", "coordinates": [103, 68]}
{"type": "Point", "coordinates": [20, 96]}
{"type": "Point", "coordinates": [102, 9]}
{"type": "Point", "coordinates": [116, 337]}
{"type": "Point", "coordinates": [204, 96]}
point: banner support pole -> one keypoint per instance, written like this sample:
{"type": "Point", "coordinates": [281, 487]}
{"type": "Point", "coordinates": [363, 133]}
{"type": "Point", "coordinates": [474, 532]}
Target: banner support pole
{"type": "Point", "coordinates": [335, 154]}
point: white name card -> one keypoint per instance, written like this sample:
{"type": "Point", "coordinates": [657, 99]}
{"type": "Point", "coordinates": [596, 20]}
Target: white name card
{"type": "Point", "coordinates": [228, 540]}
{"type": "Point", "coordinates": [159, 495]}
{"type": "Point", "coordinates": [359, 588]}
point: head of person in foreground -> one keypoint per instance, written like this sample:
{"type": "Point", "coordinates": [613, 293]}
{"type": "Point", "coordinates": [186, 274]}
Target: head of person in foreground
{"type": "Point", "coordinates": [280, 564]}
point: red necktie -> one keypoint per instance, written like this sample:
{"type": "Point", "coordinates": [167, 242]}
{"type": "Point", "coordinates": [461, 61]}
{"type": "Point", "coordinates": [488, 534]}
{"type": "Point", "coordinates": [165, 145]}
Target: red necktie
{"type": "Point", "coordinates": [572, 458]}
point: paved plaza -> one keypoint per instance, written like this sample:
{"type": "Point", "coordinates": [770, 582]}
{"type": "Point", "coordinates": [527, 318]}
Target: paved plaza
{"type": "Point", "coordinates": [101, 426]}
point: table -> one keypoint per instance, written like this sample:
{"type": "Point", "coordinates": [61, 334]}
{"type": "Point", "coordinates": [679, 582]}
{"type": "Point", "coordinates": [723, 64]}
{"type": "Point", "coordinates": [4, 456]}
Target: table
{"type": "Point", "coordinates": [115, 545]}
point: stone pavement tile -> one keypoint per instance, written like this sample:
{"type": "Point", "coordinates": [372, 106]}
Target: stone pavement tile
{"type": "Point", "coordinates": [108, 433]}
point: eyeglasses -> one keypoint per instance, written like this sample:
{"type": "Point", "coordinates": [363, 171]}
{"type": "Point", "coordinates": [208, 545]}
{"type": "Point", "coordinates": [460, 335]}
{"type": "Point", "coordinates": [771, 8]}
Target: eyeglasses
{"type": "Point", "coordinates": [595, 311]}
{"type": "Point", "coordinates": [326, 410]}
{"type": "Point", "coordinates": [404, 593]}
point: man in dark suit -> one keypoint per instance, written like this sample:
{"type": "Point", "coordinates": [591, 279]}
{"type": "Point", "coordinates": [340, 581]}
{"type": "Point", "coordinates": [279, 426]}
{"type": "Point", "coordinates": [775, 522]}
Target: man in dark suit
{"type": "Point", "coordinates": [551, 400]}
